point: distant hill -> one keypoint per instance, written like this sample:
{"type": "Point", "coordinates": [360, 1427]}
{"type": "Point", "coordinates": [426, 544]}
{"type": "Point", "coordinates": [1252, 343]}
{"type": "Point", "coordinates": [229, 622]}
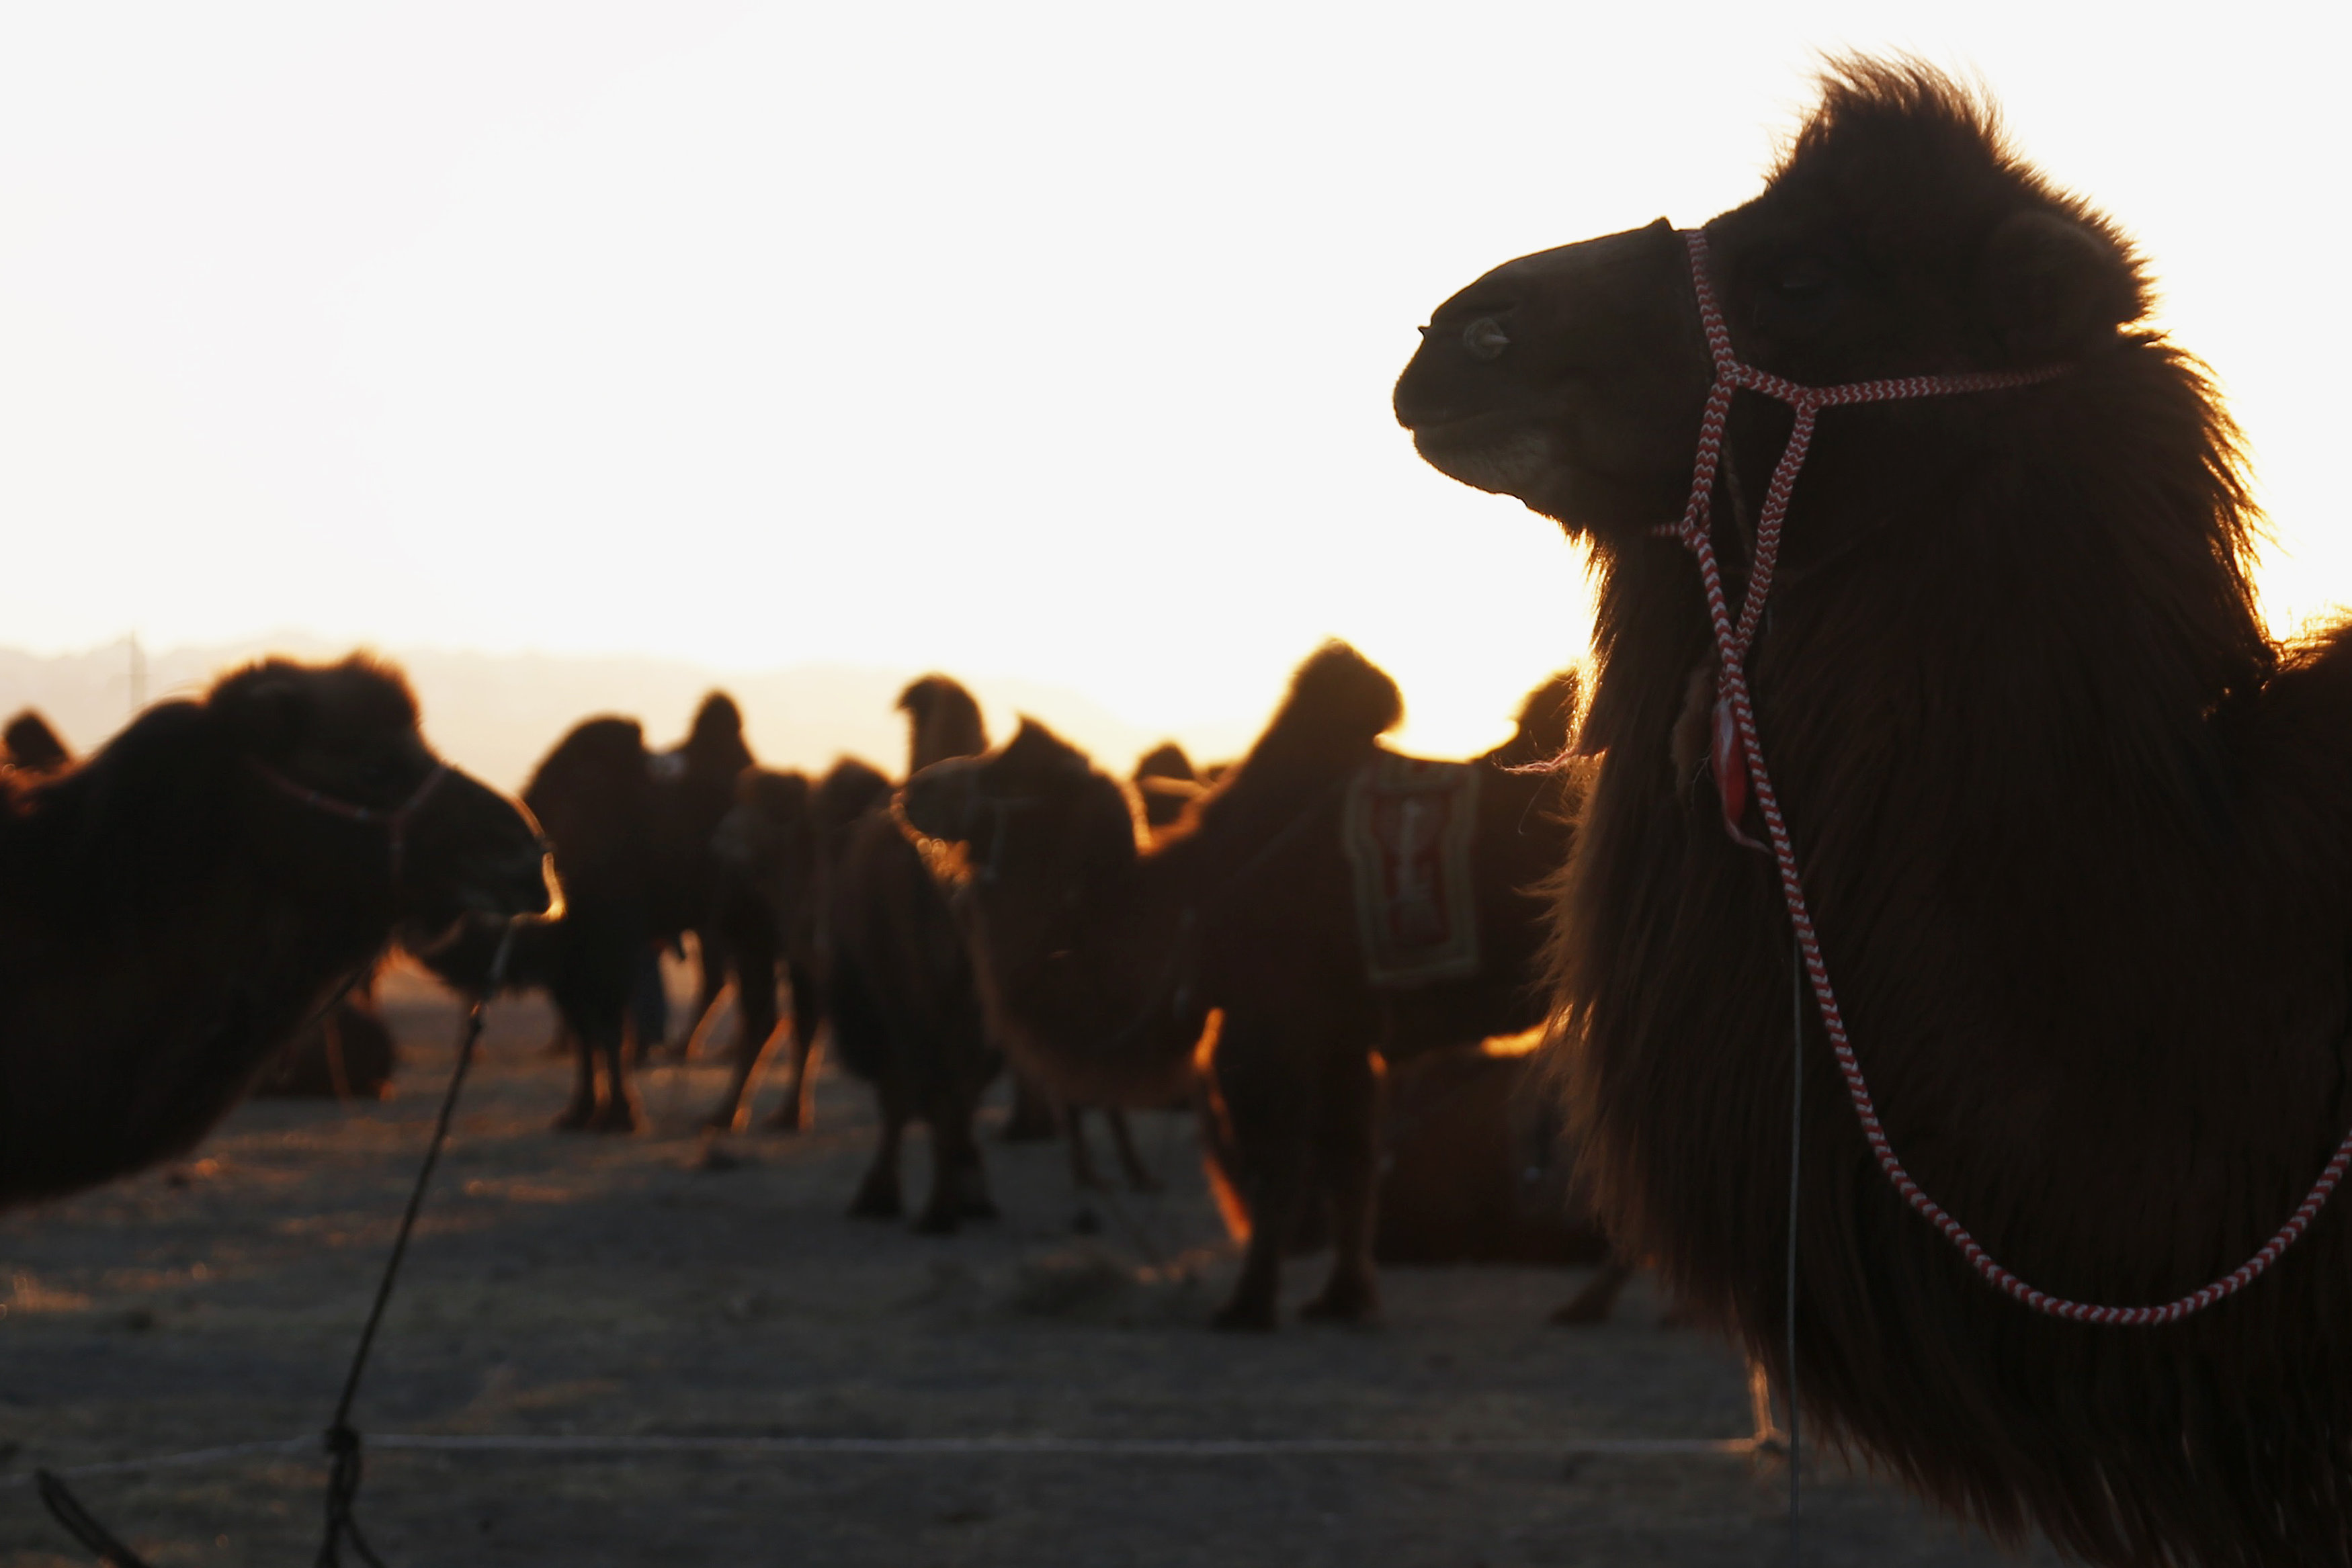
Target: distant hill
{"type": "Point", "coordinates": [496, 715]}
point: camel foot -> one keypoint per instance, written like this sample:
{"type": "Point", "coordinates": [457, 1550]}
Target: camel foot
{"type": "Point", "coordinates": [1353, 1303]}
{"type": "Point", "coordinates": [616, 1116]}
{"type": "Point", "coordinates": [1596, 1302]}
{"type": "Point", "coordinates": [934, 1221]}
{"type": "Point", "coordinates": [574, 1117]}
{"type": "Point", "coordinates": [1243, 1317]}
{"type": "Point", "coordinates": [877, 1200]}
{"type": "Point", "coordinates": [785, 1118]}
{"type": "Point", "coordinates": [1582, 1313]}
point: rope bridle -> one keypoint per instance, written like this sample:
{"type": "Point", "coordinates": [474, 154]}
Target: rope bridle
{"type": "Point", "coordinates": [393, 819]}
{"type": "Point", "coordinates": [1739, 766]}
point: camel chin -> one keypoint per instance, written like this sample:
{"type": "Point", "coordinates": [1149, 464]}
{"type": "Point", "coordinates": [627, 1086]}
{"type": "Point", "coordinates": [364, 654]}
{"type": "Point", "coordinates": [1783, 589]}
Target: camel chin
{"type": "Point", "coordinates": [1517, 461]}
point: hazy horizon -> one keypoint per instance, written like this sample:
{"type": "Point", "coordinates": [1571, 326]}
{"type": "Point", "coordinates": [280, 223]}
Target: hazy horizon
{"type": "Point", "coordinates": [496, 715]}
{"type": "Point", "coordinates": [1046, 341]}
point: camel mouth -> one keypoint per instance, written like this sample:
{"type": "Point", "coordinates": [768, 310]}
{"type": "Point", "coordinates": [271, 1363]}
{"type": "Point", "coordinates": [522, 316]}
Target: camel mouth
{"type": "Point", "coordinates": [1501, 453]}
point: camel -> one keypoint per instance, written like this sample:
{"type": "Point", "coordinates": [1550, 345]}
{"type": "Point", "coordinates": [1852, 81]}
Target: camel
{"type": "Point", "coordinates": [2074, 827]}
{"type": "Point", "coordinates": [175, 907]}
{"type": "Point", "coordinates": [1165, 785]}
{"type": "Point", "coordinates": [1100, 960]}
{"type": "Point", "coordinates": [594, 794]}
{"type": "Point", "coordinates": [771, 848]}
{"type": "Point", "coordinates": [693, 790]}
{"type": "Point", "coordinates": [348, 1052]}
{"type": "Point", "coordinates": [874, 955]}
{"type": "Point", "coordinates": [1473, 1168]}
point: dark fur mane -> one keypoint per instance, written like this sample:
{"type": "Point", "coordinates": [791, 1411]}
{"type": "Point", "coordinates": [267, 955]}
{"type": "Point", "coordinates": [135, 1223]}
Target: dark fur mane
{"type": "Point", "coordinates": [2073, 831]}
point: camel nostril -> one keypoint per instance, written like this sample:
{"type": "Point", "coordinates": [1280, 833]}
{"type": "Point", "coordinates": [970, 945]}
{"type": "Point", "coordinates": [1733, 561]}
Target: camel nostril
{"type": "Point", "coordinates": [1484, 339]}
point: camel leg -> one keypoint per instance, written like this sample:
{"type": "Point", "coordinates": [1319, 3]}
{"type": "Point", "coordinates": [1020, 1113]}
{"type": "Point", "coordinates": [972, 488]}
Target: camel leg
{"type": "Point", "coordinates": [1599, 1299]}
{"type": "Point", "coordinates": [1351, 1294]}
{"type": "Point", "coordinates": [796, 1112]}
{"type": "Point", "coordinates": [1130, 1162]}
{"type": "Point", "coordinates": [755, 1001]}
{"type": "Point", "coordinates": [1083, 1174]}
{"type": "Point", "coordinates": [878, 1196]}
{"type": "Point", "coordinates": [712, 956]}
{"type": "Point", "coordinates": [1033, 1118]}
{"type": "Point", "coordinates": [581, 1108]}
{"type": "Point", "coordinates": [1263, 1104]}
{"type": "Point", "coordinates": [648, 1003]}
{"type": "Point", "coordinates": [616, 1111]}
{"type": "Point", "coordinates": [958, 1181]}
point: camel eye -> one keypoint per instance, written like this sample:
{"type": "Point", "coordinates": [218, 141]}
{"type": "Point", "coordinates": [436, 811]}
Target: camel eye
{"type": "Point", "coordinates": [1803, 282]}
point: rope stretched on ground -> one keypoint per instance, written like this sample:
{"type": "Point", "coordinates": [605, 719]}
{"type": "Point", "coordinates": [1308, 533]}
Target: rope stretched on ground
{"type": "Point", "coordinates": [343, 1441]}
{"type": "Point", "coordinates": [1044, 1445]}
{"type": "Point", "coordinates": [345, 1473]}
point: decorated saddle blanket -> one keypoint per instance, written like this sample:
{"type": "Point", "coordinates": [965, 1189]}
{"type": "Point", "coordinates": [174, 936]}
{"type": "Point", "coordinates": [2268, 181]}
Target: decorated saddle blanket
{"type": "Point", "coordinates": [1408, 827]}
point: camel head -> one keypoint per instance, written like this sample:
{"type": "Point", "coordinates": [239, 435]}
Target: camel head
{"type": "Point", "coordinates": [1034, 814]}
{"type": "Point", "coordinates": [29, 746]}
{"type": "Point", "coordinates": [942, 721]}
{"type": "Point", "coordinates": [1899, 236]}
{"type": "Point", "coordinates": [344, 796]}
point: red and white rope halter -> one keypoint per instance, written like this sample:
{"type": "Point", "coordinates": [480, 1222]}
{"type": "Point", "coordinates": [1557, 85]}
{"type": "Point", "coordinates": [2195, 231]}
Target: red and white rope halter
{"type": "Point", "coordinates": [1735, 770]}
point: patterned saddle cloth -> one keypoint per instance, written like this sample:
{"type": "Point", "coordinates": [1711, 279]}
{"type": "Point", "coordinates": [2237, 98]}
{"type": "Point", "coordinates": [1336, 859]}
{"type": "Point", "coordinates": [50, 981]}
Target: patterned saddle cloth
{"type": "Point", "coordinates": [1408, 827]}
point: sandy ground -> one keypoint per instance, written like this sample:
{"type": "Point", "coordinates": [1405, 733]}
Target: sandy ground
{"type": "Point", "coordinates": [569, 1285]}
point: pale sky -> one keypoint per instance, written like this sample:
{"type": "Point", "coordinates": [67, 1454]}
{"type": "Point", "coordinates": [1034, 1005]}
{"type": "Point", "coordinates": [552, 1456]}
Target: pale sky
{"type": "Point", "coordinates": [1047, 340]}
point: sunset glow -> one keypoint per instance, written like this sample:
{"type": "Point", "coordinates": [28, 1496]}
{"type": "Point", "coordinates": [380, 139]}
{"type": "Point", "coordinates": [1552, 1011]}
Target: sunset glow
{"type": "Point", "coordinates": [1050, 342]}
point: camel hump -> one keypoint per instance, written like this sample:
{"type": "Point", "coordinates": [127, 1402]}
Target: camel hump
{"type": "Point", "coordinates": [847, 792]}
{"type": "Point", "coordinates": [1546, 723]}
{"type": "Point", "coordinates": [594, 748]}
{"type": "Point", "coordinates": [714, 742]}
{"type": "Point", "coordinates": [1166, 760]}
{"type": "Point", "coordinates": [29, 744]}
{"type": "Point", "coordinates": [781, 797]}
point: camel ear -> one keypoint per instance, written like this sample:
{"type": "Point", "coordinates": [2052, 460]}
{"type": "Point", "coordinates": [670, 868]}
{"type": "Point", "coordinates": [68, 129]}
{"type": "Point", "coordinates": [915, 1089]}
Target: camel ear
{"type": "Point", "coordinates": [268, 712]}
{"type": "Point", "coordinates": [2052, 287]}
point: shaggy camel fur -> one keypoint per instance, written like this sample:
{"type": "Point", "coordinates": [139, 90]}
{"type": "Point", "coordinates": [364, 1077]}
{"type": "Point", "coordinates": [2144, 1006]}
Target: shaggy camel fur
{"type": "Point", "coordinates": [173, 909]}
{"type": "Point", "coordinates": [2077, 835]}
{"type": "Point", "coordinates": [1100, 960]}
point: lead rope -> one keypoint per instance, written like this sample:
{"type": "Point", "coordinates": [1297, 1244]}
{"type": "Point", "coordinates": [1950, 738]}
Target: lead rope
{"type": "Point", "coordinates": [342, 1440]}
{"type": "Point", "coordinates": [1738, 771]}
{"type": "Point", "coordinates": [1796, 1146]}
